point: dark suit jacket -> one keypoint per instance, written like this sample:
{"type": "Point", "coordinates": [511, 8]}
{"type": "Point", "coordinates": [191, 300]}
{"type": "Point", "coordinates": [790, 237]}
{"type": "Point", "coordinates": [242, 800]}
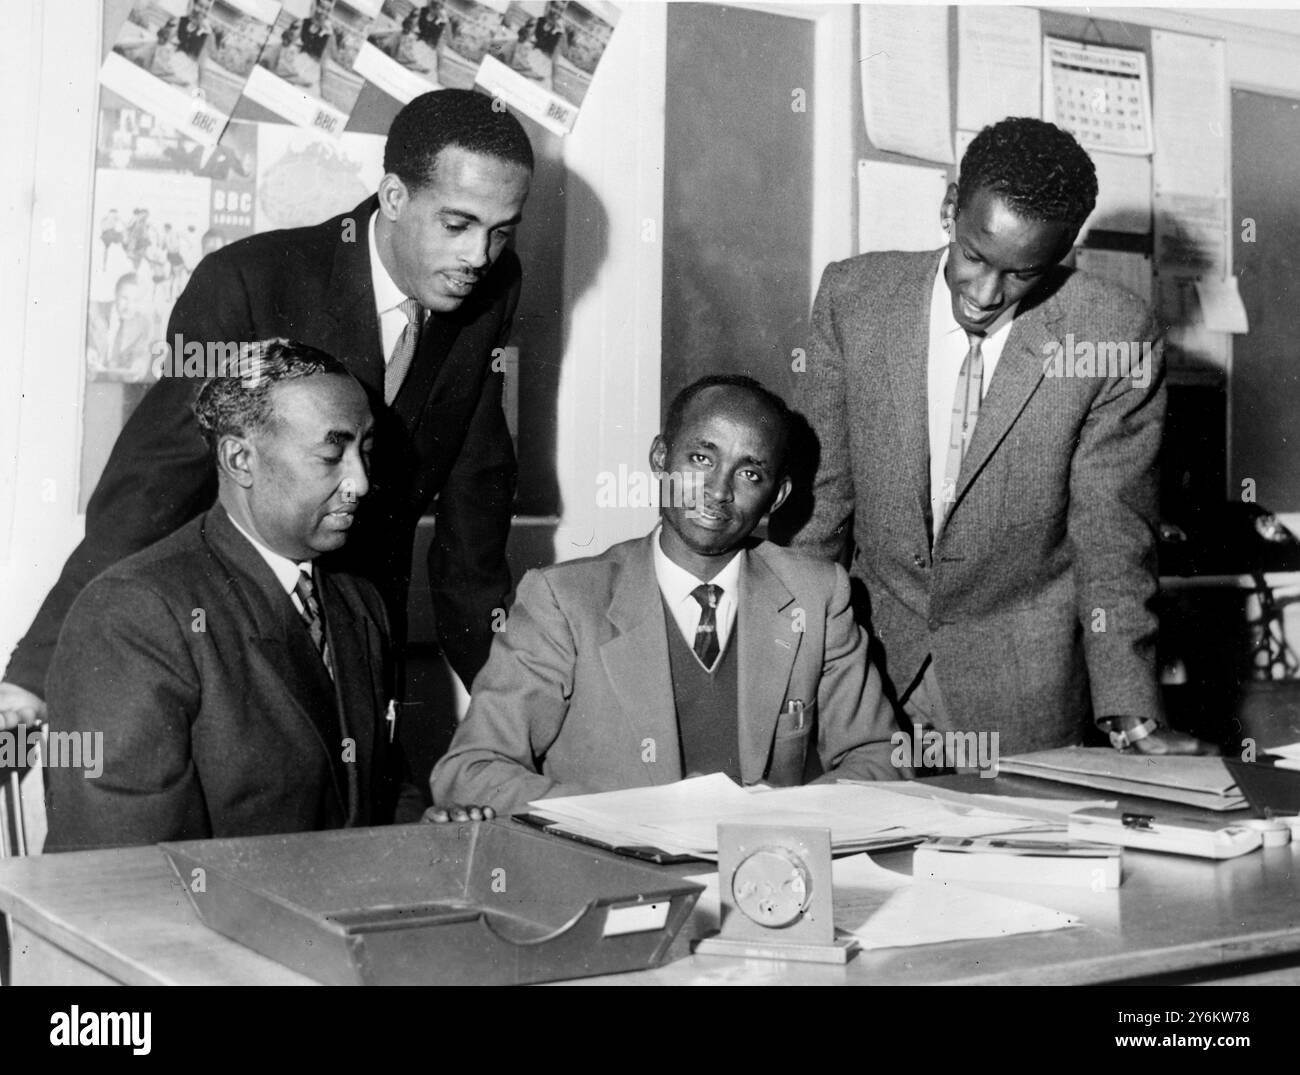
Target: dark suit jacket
{"type": "Point", "coordinates": [1035, 600]}
{"type": "Point", "coordinates": [444, 436]}
{"type": "Point", "coordinates": [217, 714]}
{"type": "Point", "coordinates": [577, 696]}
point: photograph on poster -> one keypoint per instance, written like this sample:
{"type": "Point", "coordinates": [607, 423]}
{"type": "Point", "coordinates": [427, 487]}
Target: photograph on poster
{"type": "Point", "coordinates": [544, 60]}
{"type": "Point", "coordinates": [305, 73]}
{"type": "Point", "coordinates": [188, 60]}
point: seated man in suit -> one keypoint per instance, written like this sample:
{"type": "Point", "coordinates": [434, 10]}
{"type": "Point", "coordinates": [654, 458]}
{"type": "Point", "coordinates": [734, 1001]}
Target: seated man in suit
{"type": "Point", "coordinates": [692, 650]}
{"type": "Point", "coordinates": [239, 688]}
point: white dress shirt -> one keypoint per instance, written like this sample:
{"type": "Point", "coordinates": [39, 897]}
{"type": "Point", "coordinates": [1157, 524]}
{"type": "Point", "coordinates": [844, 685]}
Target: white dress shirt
{"type": "Point", "coordinates": [676, 584]}
{"type": "Point", "coordinates": [388, 297]}
{"type": "Point", "coordinates": [948, 347]}
{"type": "Point", "coordinates": [286, 571]}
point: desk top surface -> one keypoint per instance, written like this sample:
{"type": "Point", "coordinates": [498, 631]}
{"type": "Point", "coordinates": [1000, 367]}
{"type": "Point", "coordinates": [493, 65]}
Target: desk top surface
{"type": "Point", "coordinates": [125, 913]}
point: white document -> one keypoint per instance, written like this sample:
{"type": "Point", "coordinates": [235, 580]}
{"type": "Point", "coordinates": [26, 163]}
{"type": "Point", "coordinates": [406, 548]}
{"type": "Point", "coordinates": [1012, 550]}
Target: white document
{"type": "Point", "coordinates": [904, 66]}
{"type": "Point", "coordinates": [1221, 305]}
{"type": "Point", "coordinates": [898, 206]}
{"type": "Point", "coordinates": [1123, 194]}
{"type": "Point", "coordinates": [1122, 267]}
{"type": "Point", "coordinates": [999, 64]}
{"type": "Point", "coordinates": [1191, 114]}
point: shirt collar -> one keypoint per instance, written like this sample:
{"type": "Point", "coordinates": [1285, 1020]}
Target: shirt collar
{"type": "Point", "coordinates": [942, 322]}
{"type": "Point", "coordinates": [388, 295]}
{"type": "Point", "coordinates": [286, 571]}
{"type": "Point", "coordinates": [676, 583]}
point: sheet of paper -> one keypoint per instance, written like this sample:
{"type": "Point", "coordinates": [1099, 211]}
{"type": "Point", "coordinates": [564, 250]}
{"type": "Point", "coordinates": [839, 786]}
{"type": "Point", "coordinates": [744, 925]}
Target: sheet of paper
{"type": "Point", "coordinates": [898, 206]}
{"type": "Point", "coordinates": [1191, 106]}
{"type": "Point", "coordinates": [1221, 305]}
{"type": "Point", "coordinates": [1123, 194]}
{"type": "Point", "coordinates": [1099, 94]}
{"type": "Point", "coordinates": [999, 64]}
{"type": "Point", "coordinates": [1191, 233]}
{"type": "Point", "coordinates": [887, 910]}
{"type": "Point", "coordinates": [1122, 267]}
{"type": "Point", "coordinates": [904, 66]}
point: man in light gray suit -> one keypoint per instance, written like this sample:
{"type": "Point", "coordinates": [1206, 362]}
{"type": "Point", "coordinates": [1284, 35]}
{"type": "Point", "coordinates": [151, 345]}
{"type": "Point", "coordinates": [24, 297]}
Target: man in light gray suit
{"type": "Point", "coordinates": [989, 424]}
{"type": "Point", "coordinates": [692, 650]}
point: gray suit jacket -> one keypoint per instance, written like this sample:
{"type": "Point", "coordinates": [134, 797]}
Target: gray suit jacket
{"type": "Point", "coordinates": [577, 696]}
{"type": "Point", "coordinates": [1035, 599]}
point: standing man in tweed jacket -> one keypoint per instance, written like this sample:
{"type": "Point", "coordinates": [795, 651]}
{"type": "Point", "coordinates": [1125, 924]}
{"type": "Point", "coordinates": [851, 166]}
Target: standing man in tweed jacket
{"type": "Point", "coordinates": [990, 423]}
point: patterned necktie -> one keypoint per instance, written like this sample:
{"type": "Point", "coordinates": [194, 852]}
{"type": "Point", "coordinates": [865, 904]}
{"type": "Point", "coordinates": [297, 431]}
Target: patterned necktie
{"type": "Point", "coordinates": [310, 612]}
{"type": "Point", "coordinates": [706, 634]}
{"type": "Point", "coordinates": [404, 351]}
{"type": "Point", "coordinates": [965, 410]}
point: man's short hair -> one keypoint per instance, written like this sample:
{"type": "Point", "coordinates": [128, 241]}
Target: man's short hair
{"type": "Point", "coordinates": [774, 403]}
{"type": "Point", "coordinates": [1039, 170]}
{"type": "Point", "coordinates": [239, 403]}
{"type": "Point", "coordinates": [463, 118]}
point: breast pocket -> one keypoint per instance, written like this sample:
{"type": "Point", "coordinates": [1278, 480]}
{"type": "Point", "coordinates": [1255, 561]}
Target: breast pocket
{"type": "Point", "coordinates": [794, 731]}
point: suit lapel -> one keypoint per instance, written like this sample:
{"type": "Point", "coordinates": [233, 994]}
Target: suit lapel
{"type": "Point", "coordinates": [350, 303]}
{"type": "Point", "coordinates": [278, 639]}
{"type": "Point", "coordinates": [905, 340]}
{"type": "Point", "coordinates": [636, 664]}
{"type": "Point", "coordinates": [768, 647]}
{"type": "Point", "coordinates": [1018, 373]}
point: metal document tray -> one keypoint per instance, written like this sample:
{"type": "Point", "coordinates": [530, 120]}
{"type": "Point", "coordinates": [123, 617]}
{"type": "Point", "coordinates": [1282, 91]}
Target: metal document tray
{"type": "Point", "coordinates": [489, 903]}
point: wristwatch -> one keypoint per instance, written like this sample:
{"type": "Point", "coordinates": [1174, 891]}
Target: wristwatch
{"type": "Point", "coordinates": [1122, 738]}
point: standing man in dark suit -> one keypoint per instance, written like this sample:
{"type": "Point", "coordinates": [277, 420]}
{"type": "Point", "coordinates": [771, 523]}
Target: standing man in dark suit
{"type": "Point", "coordinates": [414, 291]}
{"type": "Point", "coordinates": [1009, 562]}
{"type": "Point", "coordinates": [239, 687]}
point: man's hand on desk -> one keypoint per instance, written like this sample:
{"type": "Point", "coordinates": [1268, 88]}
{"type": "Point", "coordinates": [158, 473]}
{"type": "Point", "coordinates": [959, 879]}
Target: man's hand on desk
{"type": "Point", "coordinates": [440, 815]}
{"type": "Point", "coordinates": [19, 706]}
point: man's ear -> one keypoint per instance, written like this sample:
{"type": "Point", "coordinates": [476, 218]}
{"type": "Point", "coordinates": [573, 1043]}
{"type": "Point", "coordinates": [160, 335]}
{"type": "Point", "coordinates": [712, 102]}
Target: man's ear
{"type": "Point", "coordinates": [235, 459]}
{"type": "Point", "coordinates": [948, 209]}
{"type": "Point", "coordinates": [782, 493]}
{"type": "Point", "coordinates": [658, 455]}
{"type": "Point", "coordinates": [392, 196]}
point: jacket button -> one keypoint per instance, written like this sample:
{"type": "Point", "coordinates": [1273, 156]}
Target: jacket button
{"type": "Point", "coordinates": [918, 560]}
{"type": "Point", "coordinates": [933, 624]}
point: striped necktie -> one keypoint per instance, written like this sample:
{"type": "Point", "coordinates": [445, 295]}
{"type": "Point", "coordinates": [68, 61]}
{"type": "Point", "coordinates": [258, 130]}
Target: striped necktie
{"type": "Point", "coordinates": [965, 410]}
{"type": "Point", "coordinates": [310, 612]}
{"type": "Point", "coordinates": [404, 351]}
{"type": "Point", "coordinates": [706, 634]}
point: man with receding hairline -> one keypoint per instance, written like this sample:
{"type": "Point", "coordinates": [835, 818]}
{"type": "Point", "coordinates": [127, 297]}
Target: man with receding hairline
{"type": "Point", "coordinates": [414, 291]}
{"type": "Point", "coordinates": [239, 687]}
{"type": "Point", "coordinates": [693, 650]}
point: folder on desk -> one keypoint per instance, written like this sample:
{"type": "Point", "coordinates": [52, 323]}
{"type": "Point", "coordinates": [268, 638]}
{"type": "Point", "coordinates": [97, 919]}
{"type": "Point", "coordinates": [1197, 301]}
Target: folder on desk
{"type": "Point", "coordinates": [1193, 781]}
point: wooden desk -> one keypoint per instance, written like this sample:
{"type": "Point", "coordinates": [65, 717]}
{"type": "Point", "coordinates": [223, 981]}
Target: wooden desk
{"type": "Point", "coordinates": [121, 916]}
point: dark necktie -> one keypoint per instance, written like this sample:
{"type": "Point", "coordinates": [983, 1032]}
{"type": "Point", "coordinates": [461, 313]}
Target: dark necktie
{"type": "Point", "coordinates": [965, 410]}
{"type": "Point", "coordinates": [706, 634]}
{"type": "Point", "coordinates": [311, 616]}
{"type": "Point", "coordinates": [404, 351]}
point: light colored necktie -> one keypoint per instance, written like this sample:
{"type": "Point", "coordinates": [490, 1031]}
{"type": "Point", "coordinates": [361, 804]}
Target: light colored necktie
{"type": "Point", "coordinates": [310, 612]}
{"type": "Point", "coordinates": [965, 410]}
{"type": "Point", "coordinates": [404, 351]}
{"type": "Point", "coordinates": [706, 634]}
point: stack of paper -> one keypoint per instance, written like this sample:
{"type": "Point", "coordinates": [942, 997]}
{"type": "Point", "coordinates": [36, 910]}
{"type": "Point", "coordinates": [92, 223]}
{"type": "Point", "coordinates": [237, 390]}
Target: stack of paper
{"type": "Point", "coordinates": [1195, 781]}
{"type": "Point", "coordinates": [884, 909]}
{"type": "Point", "coordinates": [683, 818]}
